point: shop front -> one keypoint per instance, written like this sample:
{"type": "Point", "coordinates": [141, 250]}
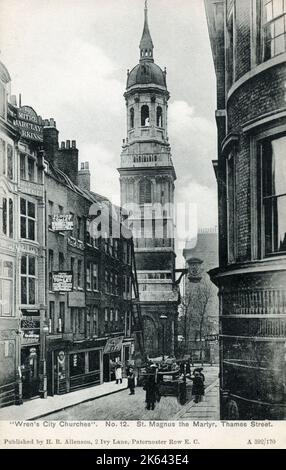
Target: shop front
{"type": "Point", "coordinates": [116, 350]}
{"type": "Point", "coordinates": [30, 354]}
{"type": "Point", "coordinates": [74, 366]}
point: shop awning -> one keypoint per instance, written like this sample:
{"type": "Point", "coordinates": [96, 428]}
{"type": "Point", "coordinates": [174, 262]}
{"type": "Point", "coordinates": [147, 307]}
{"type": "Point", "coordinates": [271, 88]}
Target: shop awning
{"type": "Point", "coordinates": [113, 345]}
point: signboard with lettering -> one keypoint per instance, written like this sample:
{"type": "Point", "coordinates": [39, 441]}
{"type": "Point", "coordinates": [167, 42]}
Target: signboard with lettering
{"type": "Point", "coordinates": [29, 124]}
{"type": "Point", "coordinates": [30, 328]}
{"type": "Point", "coordinates": [62, 281]}
{"type": "Point", "coordinates": [62, 222]}
{"type": "Point", "coordinates": [113, 345]}
{"type": "Point", "coordinates": [211, 338]}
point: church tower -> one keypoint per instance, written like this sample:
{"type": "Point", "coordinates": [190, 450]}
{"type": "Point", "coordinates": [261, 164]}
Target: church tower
{"type": "Point", "coordinates": [147, 177]}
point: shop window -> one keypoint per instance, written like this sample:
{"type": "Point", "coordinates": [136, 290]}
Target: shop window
{"type": "Point", "coordinates": [6, 288]}
{"type": "Point", "coordinates": [145, 192]}
{"type": "Point", "coordinates": [28, 280]}
{"type": "Point", "coordinates": [132, 118]}
{"type": "Point", "coordinates": [94, 360]}
{"type": "Point", "coordinates": [77, 364]}
{"type": "Point", "coordinates": [274, 195]}
{"type": "Point", "coordinates": [145, 119]}
{"type": "Point", "coordinates": [159, 117]}
{"type": "Point", "coordinates": [28, 219]}
{"type": "Point", "coordinates": [274, 28]}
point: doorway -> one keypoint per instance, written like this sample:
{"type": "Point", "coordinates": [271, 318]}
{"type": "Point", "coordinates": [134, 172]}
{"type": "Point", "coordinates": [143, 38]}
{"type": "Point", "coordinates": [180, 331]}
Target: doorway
{"type": "Point", "coordinates": [30, 371]}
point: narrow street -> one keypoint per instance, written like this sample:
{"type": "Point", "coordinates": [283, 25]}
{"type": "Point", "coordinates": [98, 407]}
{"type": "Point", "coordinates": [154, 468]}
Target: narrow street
{"type": "Point", "coordinates": [121, 406]}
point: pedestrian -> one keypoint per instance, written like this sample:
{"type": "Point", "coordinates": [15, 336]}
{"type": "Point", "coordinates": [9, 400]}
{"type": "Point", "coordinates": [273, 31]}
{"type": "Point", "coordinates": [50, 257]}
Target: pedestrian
{"type": "Point", "coordinates": [198, 389]}
{"type": "Point", "coordinates": [151, 388]}
{"type": "Point", "coordinates": [118, 373]}
{"type": "Point", "coordinates": [131, 381]}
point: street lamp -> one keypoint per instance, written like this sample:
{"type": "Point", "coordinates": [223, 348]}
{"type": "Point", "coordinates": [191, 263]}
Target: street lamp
{"type": "Point", "coordinates": [163, 318]}
{"type": "Point", "coordinates": [43, 392]}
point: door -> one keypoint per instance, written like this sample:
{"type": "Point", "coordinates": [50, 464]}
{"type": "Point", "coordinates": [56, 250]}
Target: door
{"type": "Point", "coordinates": [106, 377]}
{"type": "Point", "coordinates": [30, 371]}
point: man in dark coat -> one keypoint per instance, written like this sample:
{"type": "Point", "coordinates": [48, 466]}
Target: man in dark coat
{"type": "Point", "coordinates": [198, 388]}
{"type": "Point", "coordinates": [151, 388]}
{"type": "Point", "coordinates": [131, 381]}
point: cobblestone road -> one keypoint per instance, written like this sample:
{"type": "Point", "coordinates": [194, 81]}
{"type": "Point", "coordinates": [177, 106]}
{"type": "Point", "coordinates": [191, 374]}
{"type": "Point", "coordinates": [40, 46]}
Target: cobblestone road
{"type": "Point", "coordinates": [121, 406]}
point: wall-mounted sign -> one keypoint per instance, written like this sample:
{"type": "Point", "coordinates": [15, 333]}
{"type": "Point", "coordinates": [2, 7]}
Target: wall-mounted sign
{"type": "Point", "coordinates": [113, 345]}
{"type": "Point", "coordinates": [212, 338]}
{"type": "Point", "coordinates": [29, 124]}
{"type": "Point", "coordinates": [62, 222]}
{"type": "Point", "coordinates": [30, 330]}
{"type": "Point", "coordinates": [62, 281]}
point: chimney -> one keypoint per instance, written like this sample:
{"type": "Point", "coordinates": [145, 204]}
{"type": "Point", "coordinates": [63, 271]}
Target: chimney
{"type": "Point", "coordinates": [67, 160]}
{"type": "Point", "coordinates": [50, 140]}
{"type": "Point", "coordinates": [84, 176]}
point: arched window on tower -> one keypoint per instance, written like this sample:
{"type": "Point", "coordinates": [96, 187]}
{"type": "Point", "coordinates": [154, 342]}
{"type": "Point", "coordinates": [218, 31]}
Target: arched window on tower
{"type": "Point", "coordinates": [159, 117]}
{"type": "Point", "coordinates": [132, 118]}
{"type": "Point", "coordinates": [145, 120]}
{"type": "Point", "coordinates": [145, 192]}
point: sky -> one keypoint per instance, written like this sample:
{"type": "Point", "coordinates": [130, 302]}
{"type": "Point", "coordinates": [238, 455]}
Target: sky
{"type": "Point", "coordinates": [69, 61]}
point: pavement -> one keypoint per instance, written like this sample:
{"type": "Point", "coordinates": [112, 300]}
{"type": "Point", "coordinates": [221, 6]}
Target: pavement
{"type": "Point", "coordinates": [40, 407]}
{"type": "Point", "coordinates": [207, 409]}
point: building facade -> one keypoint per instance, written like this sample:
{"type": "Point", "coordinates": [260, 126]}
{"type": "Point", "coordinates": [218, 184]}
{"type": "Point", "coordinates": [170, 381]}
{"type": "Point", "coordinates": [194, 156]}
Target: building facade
{"type": "Point", "coordinates": [248, 41]}
{"type": "Point", "coordinates": [147, 177]}
{"type": "Point", "coordinates": [200, 321]}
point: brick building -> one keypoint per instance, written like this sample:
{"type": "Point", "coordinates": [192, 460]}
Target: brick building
{"type": "Point", "coordinates": [147, 177]}
{"type": "Point", "coordinates": [98, 313]}
{"type": "Point", "coordinates": [248, 41]}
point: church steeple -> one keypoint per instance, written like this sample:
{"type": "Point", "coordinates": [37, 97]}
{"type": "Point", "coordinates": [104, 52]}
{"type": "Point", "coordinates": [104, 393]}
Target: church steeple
{"type": "Point", "coordinates": [146, 43]}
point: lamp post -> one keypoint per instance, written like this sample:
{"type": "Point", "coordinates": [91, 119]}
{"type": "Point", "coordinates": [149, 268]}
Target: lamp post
{"type": "Point", "coordinates": [44, 392]}
{"type": "Point", "coordinates": [163, 318]}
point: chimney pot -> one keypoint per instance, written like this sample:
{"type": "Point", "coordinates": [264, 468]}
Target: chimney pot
{"type": "Point", "coordinates": [68, 144]}
{"type": "Point", "coordinates": [73, 144]}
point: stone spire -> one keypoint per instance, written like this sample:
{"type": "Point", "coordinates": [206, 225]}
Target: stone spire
{"type": "Point", "coordinates": [146, 43]}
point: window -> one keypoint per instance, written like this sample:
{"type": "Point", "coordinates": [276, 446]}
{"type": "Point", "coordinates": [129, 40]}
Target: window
{"type": "Point", "coordinates": [274, 195]}
{"type": "Point", "coordinates": [95, 277]}
{"type": "Point", "coordinates": [3, 156]}
{"type": "Point", "coordinates": [274, 28]}
{"type": "Point", "coordinates": [28, 219]}
{"type": "Point", "coordinates": [230, 58]}
{"type": "Point", "coordinates": [61, 319]}
{"type": "Point", "coordinates": [61, 262]}
{"type": "Point", "coordinates": [2, 100]}
{"type": "Point", "coordinates": [106, 281]}
{"type": "Point", "coordinates": [22, 166]}
{"type": "Point", "coordinates": [95, 321]}
{"type": "Point", "coordinates": [79, 274]}
{"type": "Point", "coordinates": [73, 272]}
{"type": "Point", "coordinates": [145, 192]}
{"type": "Point", "coordinates": [10, 161]}
{"type": "Point", "coordinates": [6, 288]}
{"type": "Point", "coordinates": [7, 217]}
{"type": "Point", "coordinates": [31, 169]}
{"type": "Point", "coordinates": [230, 202]}
{"type": "Point", "coordinates": [28, 280]}
{"type": "Point", "coordinates": [79, 228]}
{"type": "Point", "coordinates": [94, 360]}
{"type": "Point", "coordinates": [78, 323]}
{"type": "Point", "coordinates": [88, 276]}
{"type": "Point", "coordinates": [159, 117]}
{"type": "Point", "coordinates": [106, 314]}
{"type": "Point", "coordinates": [51, 268]}
{"type": "Point", "coordinates": [116, 315]}
{"type": "Point", "coordinates": [111, 314]}
{"type": "Point", "coordinates": [87, 324]}
{"type": "Point", "coordinates": [145, 120]}
{"type": "Point", "coordinates": [132, 118]}
{"type": "Point", "coordinates": [51, 316]}
{"type": "Point", "coordinates": [50, 214]}
{"type": "Point", "coordinates": [77, 364]}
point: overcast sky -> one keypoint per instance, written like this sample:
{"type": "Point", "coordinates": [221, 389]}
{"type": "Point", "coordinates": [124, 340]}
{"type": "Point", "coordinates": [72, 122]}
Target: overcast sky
{"type": "Point", "coordinates": [68, 59]}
